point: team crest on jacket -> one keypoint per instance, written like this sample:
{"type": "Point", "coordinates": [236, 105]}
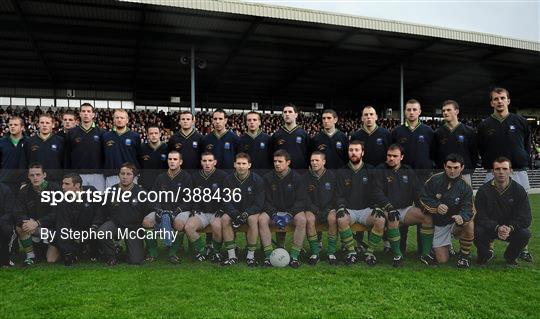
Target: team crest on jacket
{"type": "Point", "coordinates": [289, 186]}
{"type": "Point", "coordinates": [421, 139]}
{"type": "Point", "coordinates": [96, 138]}
{"type": "Point", "coordinates": [364, 180]}
{"type": "Point", "coordinates": [438, 196]}
{"type": "Point", "coordinates": [512, 128]}
{"type": "Point", "coordinates": [405, 179]}
{"type": "Point", "coordinates": [339, 145]}
{"type": "Point", "coordinates": [298, 139]}
{"type": "Point", "coordinates": [215, 186]}
{"type": "Point", "coordinates": [461, 138]}
{"type": "Point", "coordinates": [54, 147]}
{"type": "Point", "coordinates": [261, 146]}
{"type": "Point", "coordinates": [456, 201]}
{"type": "Point", "coordinates": [128, 142]}
{"type": "Point", "coordinates": [379, 141]}
{"type": "Point", "coordinates": [195, 144]}
{"type": "Point", "coordinates": [227, 146]}
{"type": "Point", "coordinates": [249, 189]}
{"type": "Point", "coordinates": [327, 186]}
{"type": "Point", "coordinates": [164, 157]}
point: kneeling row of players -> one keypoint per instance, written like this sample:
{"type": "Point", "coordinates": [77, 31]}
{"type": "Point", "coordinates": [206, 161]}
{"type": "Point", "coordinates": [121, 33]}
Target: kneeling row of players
{"type": "Point", "coordinates": [442, 206]}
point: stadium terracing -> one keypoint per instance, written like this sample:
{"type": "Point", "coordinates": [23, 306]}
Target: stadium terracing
{"type": "Point", "coordinates": [138, 50]}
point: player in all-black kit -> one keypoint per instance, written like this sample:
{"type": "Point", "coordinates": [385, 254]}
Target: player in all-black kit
{"type": "Point", "coordinates": [256, 144]}
{"type": "Point", "coordinates": [69, 121]}
{"type": "Point", "coordinates": [84, 150]}
{"type": "Point", "coordinates": [175, 178]}
{"type": "Point", "coordinates": [204, 213]}
{"type": "Point", "coordinates": [121, 145]}
{"type": "Point", "coordinates": [31, 214]}
{"type": "Point", "coordinates": [153, 158]}
{"type": "Point", "coordinates": [188, 142]}
{"type": "Point", "coordinates": [245, 211]}
{"type": "Point", "coordinates": [449, 200]}
{"type": "Point", "coordinates": [6, 225]}
{"type": "Point", "coordinates": [416, 139]}
{"type": "Point", "coordinates": [321, 185]}
{"type": "Point", "coordinates": [122, 216]}
{"type": "Point", "coordinates": [355, 204]}
{"type": "Point", "coordinates": [221, 142]}
{"type": "Point", "coordinates": [12, 157]}
{"type": "Point", "coordinates": [331, 141]}
{"type": "Point", "coordinates": [396, 189]}
{"type": "Point", "coordinates": [292, 138]}
{"type": "Point", "coordinates": [376, 139]}
{"type": "Point", "coordinates": [508, 135]}
{"type": "Point", "coordinates": [504, 213]}
{"type": "Point", "coordinates": [46, 148]}
{"type": "Point", "coordinates": [75, 216]}
{"type": "Point", "coordinates": [285, 202]}
{"type": "Point", "coordinates": [454, 137]}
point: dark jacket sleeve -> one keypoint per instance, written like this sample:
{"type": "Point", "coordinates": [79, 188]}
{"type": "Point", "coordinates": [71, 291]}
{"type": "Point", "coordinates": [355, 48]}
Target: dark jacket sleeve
{"type": "Point", "coordinates": [378, 195]}
{"type": "Point", "coordinates": [341, 200]}
{"type": "Point", "coordinates": [258, 201]}
{"type": "Point", "coordinates": [229, 207]}
{"type": "Point", "coordinates": [473, 147]}
{"type": "Point", "coordinates": [428, 199]}
{"type": "Point", "coordinates": [483, 218]}
{"type": "Point", "coordinates": [301, 196]}
{"type": "Point", "coordinates": [522, 212]}
{"type": "Point", "coordinates": [269, 207]}
{"type": "Point", "coordinates": [467, 209]}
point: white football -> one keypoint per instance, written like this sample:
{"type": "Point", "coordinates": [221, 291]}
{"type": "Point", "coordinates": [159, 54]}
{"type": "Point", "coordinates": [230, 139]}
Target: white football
{"type": "Point", "coordinates": [280, 258]}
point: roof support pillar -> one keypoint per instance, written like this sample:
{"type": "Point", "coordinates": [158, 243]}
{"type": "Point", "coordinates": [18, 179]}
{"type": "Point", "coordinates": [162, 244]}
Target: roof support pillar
{"type": "Point", "coordinates": [192, 60]}
{"type": "Point", "coordinates": [401, 97]}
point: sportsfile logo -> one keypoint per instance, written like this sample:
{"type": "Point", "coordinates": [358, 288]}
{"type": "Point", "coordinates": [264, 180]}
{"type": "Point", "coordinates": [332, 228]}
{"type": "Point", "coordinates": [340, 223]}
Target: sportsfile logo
{"type": "Point", "coordinates": [117, 195]}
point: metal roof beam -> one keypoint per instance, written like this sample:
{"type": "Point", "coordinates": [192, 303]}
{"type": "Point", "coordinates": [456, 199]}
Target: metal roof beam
{"type": "Point", "coordinates": [32, 40]}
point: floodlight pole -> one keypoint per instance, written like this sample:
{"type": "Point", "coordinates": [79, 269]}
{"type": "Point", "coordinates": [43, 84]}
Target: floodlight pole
{"type": "Point", "coordinates": [192, 60]}
{"type": "Point", "coordinates": [401, 92]}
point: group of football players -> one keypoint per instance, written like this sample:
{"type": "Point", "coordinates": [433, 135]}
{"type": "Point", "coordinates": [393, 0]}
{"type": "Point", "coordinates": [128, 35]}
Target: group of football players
{"type": "Point", "coordinates": [383, 180]}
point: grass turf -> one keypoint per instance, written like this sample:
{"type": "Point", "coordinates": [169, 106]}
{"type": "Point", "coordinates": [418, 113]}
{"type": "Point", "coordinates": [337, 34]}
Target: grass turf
{"type": "Point", "coordinates": [194, 290]}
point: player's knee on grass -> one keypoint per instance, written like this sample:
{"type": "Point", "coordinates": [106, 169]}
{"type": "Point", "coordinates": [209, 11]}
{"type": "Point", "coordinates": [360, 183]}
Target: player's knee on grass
{"type": "Point", "coordinates": [178, 225]}
{"type": "Point", "coordinates": [253, 220]}
{"type": "Point", "coordinates": [149, 220]}
{"type": "Point", "coordinates": [344, 222]}
{"type": "Point", "coordinates": [264, 220]}
{"type": "Point", "coordinates": [310, 219]}
{"type": "Point", "coordinates": [442, 254]}
{"type": "Point", "coordinates": [226, 220]}
{"type": "Point", "coordinates": [331, 218]}
{"type": "Point", "coordinates": [378, 224]}
{"type": "Point", "coordinates": [191, 226]}
{"type": "Point", "coordinates": [53, 254]}
{"type": "Point", "coordinates": [300, 220]}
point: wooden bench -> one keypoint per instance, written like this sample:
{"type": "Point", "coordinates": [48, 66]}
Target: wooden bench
{"type": "Point", "coordinates": [290, 228]}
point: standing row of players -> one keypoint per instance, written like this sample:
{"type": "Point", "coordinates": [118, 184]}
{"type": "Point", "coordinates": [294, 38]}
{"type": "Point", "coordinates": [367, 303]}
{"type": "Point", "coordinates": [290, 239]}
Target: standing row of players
{"type": "Point", "coordinates": [97, 155]}
{"type": "Point", "coordinates": [381, 199]}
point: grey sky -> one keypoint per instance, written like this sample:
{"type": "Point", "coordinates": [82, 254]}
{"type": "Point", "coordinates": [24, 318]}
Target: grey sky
{"type": "Point", "coordinates": [515, 19]}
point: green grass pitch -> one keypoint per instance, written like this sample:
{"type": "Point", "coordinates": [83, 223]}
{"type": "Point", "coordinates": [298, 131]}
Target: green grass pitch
{"type": "Point", "coordinates": [193, 290]}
